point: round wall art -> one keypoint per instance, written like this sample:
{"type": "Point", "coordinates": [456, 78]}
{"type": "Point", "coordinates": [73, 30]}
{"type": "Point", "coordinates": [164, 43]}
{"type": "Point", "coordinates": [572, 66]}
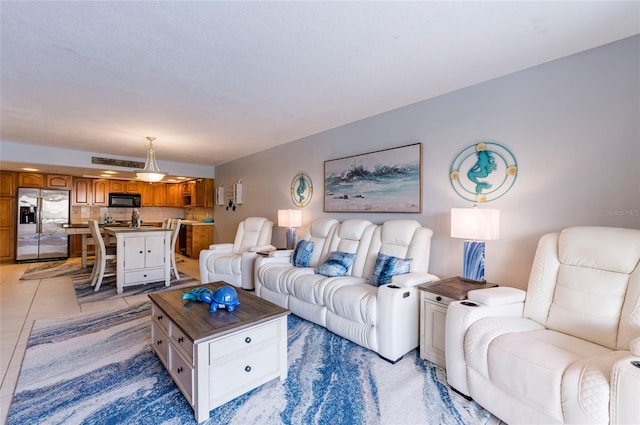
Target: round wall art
{"type": "Point", "coordinates": [483, 172]}
{"type": "Point", "coordinates": [301, 189]}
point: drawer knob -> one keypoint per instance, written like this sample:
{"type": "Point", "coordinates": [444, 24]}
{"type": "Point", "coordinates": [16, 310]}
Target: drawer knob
{"type": "Point", "coordinates": [179, 370]}
{"type": "Point", "coordinates": [438, 298]}
{"type": "Point", "coordinates": [159, 342]}
{"type": "Point", "coordinates": [247, 369]}
{"type": "Point", "coordinates": [160, 317]}
{"type": "Point", "coordinates": [247, 339]}
{"type": "Point", "coordinates": [149, 251]}
{"type": "Point", "coordinates": [140, 252]}
{"type": "Point", "coordinates": [180, 340]}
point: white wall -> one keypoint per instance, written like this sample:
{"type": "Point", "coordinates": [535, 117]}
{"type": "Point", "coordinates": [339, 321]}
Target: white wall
{"type": "Point", "coordinates": [48, 156]}
{"type": "Point", "coordinates": [573, 125]}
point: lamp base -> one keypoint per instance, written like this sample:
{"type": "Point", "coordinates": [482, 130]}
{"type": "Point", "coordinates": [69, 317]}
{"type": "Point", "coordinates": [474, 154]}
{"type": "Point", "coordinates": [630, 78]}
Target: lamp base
{"type": "Point", "coordinates": [290, 238]}
{"type": "Point", "coordinates": [473, 265]}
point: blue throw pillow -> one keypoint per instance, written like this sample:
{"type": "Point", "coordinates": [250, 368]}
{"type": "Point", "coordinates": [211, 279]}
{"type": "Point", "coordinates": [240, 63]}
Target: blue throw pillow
{"type": "Point", "coordinates": [387, 266]}
{"type": "Point", "coordinates": [337, 264]}
{"type": "Point", "coordinates": [302, 253]}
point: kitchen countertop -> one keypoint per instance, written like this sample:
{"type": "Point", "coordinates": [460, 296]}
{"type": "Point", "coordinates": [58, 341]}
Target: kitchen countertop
{"type": "Point", "coordinates": [85, 225]}
{"type": "Point", "coordinates": [119, 229]}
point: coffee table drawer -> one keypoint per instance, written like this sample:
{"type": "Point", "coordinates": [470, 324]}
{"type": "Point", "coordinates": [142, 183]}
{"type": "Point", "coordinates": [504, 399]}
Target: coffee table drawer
{"type": "Point", "coordinates": [159, 342]}
{"type": "Point", "coordinates": [181, 340]}
{"type": "Point", "coordinates": [182, 373]}
{"type": "Point", "coordinates": [243, 340]}
{"type": "Point", "coordinates": [160, 318]}
{"type": "Point", "coordinates": [249, 369]}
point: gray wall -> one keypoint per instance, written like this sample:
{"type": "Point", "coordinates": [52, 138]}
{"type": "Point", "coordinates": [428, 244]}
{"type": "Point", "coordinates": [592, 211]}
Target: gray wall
{"type": "Point", "coordinates": [573, 125]}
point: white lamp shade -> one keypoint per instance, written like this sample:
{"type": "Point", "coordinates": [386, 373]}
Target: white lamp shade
{"type": "Point", "coordinates": [289, 218]}
{"type": "Point", "coordinates": [477, 224]}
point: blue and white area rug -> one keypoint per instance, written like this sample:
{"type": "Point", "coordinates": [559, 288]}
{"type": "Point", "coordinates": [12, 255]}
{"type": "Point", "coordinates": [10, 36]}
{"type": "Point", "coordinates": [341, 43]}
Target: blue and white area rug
{"type": "Point", "coordinates": [85, 293]}
{"type": "Point", "coordinates": [98, 368]}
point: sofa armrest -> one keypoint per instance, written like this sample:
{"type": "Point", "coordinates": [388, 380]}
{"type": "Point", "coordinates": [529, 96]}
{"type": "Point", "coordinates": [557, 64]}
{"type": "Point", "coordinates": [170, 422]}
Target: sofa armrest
{"type": "Point", "coordinates": [398, 320]}
{"type": "Point", "coordinates": [281, 253]}
{"type": "Point", "coordinates": [413, 279]}
{"type": "Point", "coordinates": [625, 388]}
{"type": "Point", "coordinates": [221, 247]}
{"type": "Point", "coordinates": [263, 261]}
{"type": "Point", "coordinates": [262, 248]}
{"type": "Point", "coordinates": [462, 314]}
{"type": "Point", "coordinates": [247, 262]}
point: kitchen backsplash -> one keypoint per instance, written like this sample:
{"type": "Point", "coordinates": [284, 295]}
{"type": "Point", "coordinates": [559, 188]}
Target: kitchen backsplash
{"type": "Point", "coordinates": [80, 214]}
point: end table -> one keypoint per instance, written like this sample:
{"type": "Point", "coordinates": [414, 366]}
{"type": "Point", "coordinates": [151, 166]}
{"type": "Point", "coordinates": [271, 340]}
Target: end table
{"type": "Point", "coordinates": [434, 300]}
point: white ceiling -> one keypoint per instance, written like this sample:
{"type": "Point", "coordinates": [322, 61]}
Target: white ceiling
{"type": "Point", "coordinates": [215, 81]}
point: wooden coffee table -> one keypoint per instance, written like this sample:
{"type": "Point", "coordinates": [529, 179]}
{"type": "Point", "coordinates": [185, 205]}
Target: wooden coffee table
{"type": "Point", "coordinates": [215, 357]}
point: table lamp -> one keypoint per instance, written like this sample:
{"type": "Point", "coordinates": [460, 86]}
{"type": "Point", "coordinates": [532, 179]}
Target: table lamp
{"type": "Point", "coordinates": [475, 225]}
{"type": "Point", "coordinates": [290, 219]}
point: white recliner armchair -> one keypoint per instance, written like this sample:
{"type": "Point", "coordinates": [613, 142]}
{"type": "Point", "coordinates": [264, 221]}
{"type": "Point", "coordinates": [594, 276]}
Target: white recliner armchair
{"type": "Point", "coordinates": [233, 263]}
{"type": "Point", "coordinates": [569, 352]}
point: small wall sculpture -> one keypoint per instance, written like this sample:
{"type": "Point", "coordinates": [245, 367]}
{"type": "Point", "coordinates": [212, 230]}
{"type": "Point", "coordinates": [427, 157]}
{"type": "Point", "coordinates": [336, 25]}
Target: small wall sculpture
{"type": "Point", "coordinates": [301, 189]}
{"type": "Point", "coordinates": [483, 172]}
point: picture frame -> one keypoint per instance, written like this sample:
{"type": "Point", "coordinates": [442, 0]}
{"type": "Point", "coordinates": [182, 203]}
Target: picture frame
{"type": "Point", "coordinates": [387, 181]}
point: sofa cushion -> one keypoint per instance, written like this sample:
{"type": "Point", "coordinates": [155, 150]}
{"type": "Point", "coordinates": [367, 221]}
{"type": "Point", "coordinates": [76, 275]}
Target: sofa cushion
{"type": "Point", "coordinates": [338, 264]}
{"type": "Point", "coordinates": [356, 302]}
{"type": "Point", "coordinates": [302, 253]}
{"type": "Point", "coordinates": [387, 266]}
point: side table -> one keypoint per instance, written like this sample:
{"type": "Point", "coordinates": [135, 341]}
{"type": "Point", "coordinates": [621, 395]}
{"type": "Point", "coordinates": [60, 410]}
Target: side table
{"type": "Point", "coordinates": [434, 300]}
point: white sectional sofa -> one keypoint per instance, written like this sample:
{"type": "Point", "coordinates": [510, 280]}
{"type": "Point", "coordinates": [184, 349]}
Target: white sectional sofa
{"type": "Point", "coordinates": [381, 318]}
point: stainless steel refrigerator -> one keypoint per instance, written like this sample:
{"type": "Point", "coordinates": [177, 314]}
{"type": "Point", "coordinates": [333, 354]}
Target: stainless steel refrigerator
{"type": "Point", "coordinates": [41, 216]}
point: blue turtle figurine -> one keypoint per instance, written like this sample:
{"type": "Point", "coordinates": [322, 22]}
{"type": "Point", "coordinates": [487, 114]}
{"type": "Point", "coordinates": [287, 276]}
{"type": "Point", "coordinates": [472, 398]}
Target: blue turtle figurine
{"type": "Point", "coordinates": [194, 294]}
{"type": "Point", "coordinates": [225, 297]}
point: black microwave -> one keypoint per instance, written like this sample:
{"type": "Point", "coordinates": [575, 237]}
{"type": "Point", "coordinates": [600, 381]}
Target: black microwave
{"type": "Point", "coordinates": [124, 200]}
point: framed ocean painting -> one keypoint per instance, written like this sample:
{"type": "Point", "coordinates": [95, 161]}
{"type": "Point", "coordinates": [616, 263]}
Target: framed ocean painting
{"type": "Point", "coordinates": [388, 180]}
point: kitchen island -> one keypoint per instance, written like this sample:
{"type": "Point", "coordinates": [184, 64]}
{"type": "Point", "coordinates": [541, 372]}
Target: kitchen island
{"type": "Point", "coordinates": [143, 255]}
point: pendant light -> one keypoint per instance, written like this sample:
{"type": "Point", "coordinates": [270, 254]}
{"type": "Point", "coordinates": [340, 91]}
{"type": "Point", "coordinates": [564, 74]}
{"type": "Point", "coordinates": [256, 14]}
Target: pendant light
{"type": "Point", "coordinates": [151, 173]}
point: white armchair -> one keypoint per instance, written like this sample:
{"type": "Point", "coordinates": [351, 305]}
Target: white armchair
{"type": "Point", "coordinates": [569, 352]}
{"type": "Point", "coordinates": [233, 263]}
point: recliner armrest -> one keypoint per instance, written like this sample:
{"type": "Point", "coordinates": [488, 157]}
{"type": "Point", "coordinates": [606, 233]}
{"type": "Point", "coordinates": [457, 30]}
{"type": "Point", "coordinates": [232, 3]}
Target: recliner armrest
{"type": "Point", "coordinates": [462, 314]}
{"type": "Point", "coordinates": [413, 279]}
{"type": "Point", "coordinates": [221, 247]}
{"type": "Point", "coordinates": [497, 296]}
{"type": "Point", "coordinates": [262, 248]}
{"type": "Point", "coordinates": [281, 253]}
{"type": "Point", "coordinates": [625, 389]}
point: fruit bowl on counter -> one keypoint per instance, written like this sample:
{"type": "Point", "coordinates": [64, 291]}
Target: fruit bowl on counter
{"type": "Point", "coordinates": [207, 220]}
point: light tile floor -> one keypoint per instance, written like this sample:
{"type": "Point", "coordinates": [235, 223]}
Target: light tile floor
{"type": "Point", "coordinates": [24, 301]}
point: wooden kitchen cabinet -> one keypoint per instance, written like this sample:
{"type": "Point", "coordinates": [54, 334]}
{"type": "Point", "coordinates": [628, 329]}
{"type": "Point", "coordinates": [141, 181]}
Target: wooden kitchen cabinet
{"type": "Point", "coordinates": [173, 195]}
{"type": "Point", "coordinates": [198, 193]}
{"type": "Point", "coordinates": [146, 192]}
{"type": "Point", "coordinates": [8, 186]}
{"type": "Point", "coordinates": [134, 186]}
{"type": "Point", "coordinates": [82, 191]}
{"type": "Point", "coordinates": [159, 194]}
{"type": "Point", "coordinates": [101, 192]}
{"type": "Point", "coordinates": [8, 181]}
{"type": "Point", "coordinates": [204, 193]}
{"type": "Point", "coordinates": [7, 228]}
{"type": "Point", "coordinates": [75, 246]}
{"type": "Point", "coordinates": [199, 237]}
{"type": "Point", "coordinates": [58, 182]}
{"type": "Point", "coordinates": [117, 186]}
{"type": "Point", "coordinates": [30, 180]}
